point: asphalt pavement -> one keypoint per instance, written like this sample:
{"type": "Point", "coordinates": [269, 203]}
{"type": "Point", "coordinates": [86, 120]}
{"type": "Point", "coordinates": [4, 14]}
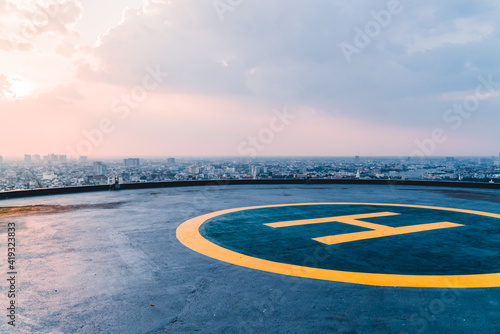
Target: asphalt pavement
{"type": "Point", "coordinates": [111, 262]}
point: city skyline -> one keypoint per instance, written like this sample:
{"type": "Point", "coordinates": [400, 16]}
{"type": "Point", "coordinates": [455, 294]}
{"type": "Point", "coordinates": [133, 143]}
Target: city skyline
{"type": "Point", "coordinates": [249, 79]}
{"type": "Point", "coordinates": [21, 158]}
{"type": "Point", "coordinates": [57, 172]}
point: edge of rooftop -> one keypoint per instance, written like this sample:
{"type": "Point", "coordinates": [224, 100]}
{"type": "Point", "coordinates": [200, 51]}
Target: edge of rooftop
{"type": "Point", "coordinates": [148, 185]}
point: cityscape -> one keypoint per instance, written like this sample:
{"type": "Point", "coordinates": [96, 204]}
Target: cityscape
{"type": "Point", "coordinates": [53, 171]}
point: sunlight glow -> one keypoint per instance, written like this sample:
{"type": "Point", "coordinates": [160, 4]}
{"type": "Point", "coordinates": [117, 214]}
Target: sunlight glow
{"type": "Point", "coordinates": [20, 88]}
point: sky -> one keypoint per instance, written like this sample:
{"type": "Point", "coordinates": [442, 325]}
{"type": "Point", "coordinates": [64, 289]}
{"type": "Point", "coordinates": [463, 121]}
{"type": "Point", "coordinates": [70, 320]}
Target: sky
{"type": "Point", "coordinates": [249, 78]}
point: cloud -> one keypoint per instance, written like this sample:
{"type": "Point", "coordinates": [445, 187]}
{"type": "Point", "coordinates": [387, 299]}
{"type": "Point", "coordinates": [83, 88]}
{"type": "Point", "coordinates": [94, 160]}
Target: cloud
{"type": "Point", "coordinates": [53, 16]}
{"type": "Point", "coordinates": [26, 22]}
{"type": "Point", "coordinates": [5, 91]}
{"type": "Point", "coordinates": [8, 45]}
{"type": "Point", "coordinates": [288, 52]}
{"type": "Point", "coordinates": [62, 95]}
{"type": "Point", "coordinates": [282, 52]}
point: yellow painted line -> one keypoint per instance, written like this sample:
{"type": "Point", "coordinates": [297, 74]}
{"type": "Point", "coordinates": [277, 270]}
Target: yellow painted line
{"type": "Point", "coordinates": [385, 232]}
{"type": "Point", "coordinates": [340, 219]}
{"type": "Point", "coordinates": [378, 230]}
{"type": "Point", "coordinates": [189, 235]}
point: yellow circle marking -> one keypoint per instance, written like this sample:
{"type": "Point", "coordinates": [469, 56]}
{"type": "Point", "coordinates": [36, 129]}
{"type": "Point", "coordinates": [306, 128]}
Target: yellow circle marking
{"type": "Point", "coordinates": [189, 235]}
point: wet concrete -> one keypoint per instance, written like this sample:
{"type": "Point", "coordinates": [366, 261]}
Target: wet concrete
{"type": "Point", "coordinates": [119, 268]}
{"type": "Point", "coordinates": [25, 210]}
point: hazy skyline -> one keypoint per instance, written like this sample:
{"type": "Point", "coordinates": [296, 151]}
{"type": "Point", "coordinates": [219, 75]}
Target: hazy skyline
{"type": "Point", "coordinates": [247, 78]}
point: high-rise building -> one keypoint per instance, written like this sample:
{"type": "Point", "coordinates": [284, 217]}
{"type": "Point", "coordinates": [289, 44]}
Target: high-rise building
{"type": "Point", "coordinates": [171, 160]}
{"type": "Point", "coordinates": [131, 162]}
{"type": "Point", "coordinates": [62, 158]}
{"type": "Point", "coordinates": [1, 159]}
{"type": "Point", "coordinates": [99, 168]}
{"type": "Point", "coordinates": [82, 158]}
{"type": "Point", "coordinates": [27, 158]}
{"type": "Point", "coordinates": [36, 158]}
{"type": "Point", "coordinates": [256, 170]}
{"type": "Point", "coordinates": [194, 170]}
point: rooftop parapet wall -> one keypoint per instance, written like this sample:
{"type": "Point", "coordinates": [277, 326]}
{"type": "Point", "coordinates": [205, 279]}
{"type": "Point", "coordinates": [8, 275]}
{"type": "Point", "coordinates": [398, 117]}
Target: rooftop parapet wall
{"type": "Point", "coordinates": [129, 186]}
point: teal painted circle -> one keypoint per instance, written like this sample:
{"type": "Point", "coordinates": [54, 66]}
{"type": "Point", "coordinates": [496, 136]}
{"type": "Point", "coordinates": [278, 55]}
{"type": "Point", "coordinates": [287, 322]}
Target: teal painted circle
{"type": "Point", "coordinates": [473, 248]}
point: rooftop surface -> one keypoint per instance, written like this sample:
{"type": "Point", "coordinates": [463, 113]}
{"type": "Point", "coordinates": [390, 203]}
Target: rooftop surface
{"type": "Point", "coordinates": [112, 262]}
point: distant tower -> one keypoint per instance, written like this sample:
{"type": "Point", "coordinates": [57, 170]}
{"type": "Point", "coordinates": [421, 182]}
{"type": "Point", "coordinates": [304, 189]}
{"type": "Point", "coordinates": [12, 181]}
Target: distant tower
{"type": "Point", "coordinates": [99, 168]}
{"type": "Point", "coordinates": [131, 162]}
{"type": "Point", "coordinates": [358, 174]}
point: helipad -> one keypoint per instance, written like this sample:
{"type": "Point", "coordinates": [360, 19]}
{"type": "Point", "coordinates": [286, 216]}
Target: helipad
{"type": "Point", "coordinates": [111, 262]}
{"type": "Point", "coordinates": [409, 245]}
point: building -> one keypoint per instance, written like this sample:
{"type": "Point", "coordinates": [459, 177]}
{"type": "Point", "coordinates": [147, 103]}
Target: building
{"type": "Point", "coordinates": [194, 170]}
{"type": "Point", "coordinates": [82, 158]}
{"type": "Point", "coordinates": [257, 170]}
{"type": "Point", "coordinates": [171, 160]}
{"type": "Point", "coordinates": [99, 168]}
{"type": "Point", "coordinates": [36, 158]}
{"type": "Point", "coordinates": [1, 159]}
{"type": "Point", "coordinates": [62, 158]}
{"type": "Point", "coordinates": [27, 158]}
{"type": "Point", "coordinates": [115, 180]}
{"type": "Point", "coordinates": [131, 162]}
{"type": "Point", "coordinates": [49, 176]}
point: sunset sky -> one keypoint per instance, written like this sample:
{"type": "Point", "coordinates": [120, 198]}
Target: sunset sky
{"type": "Point", "coordinates": [231, 77]}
